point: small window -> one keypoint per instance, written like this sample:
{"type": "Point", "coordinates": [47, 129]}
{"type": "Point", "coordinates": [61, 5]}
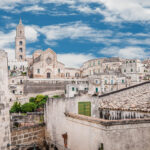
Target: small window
{"type": "Point", "coordinates": [105, 81]}
{"type": "Point", "coordinates": [21, 82]}
{"type": "Point", "coordinates": [20, 42]}
{"type": "Point", "coordinates": [124, 70]}
{"type": "Point", "coordinates": [96, 90]}
{"type": "Point", "coordinates": [76, 74]}
{"type": "Point", "coordinates": [8, 67]}
{"type": "Point", "coordinates": [112, 81]}
{"type": "Point", "coordinates": [131, 70]}
{"type": "Point", "coordinates": [12, 81]}
{"type": "Point", "coordinates": [59, 70]}
{"type": "Point", "coordinates": [13, 91]}
{"type": "Point", "coordinates": [122, 81]}
{"type": "Point", "coordinates": [38, 70]}
{"type": "Point", "coordinates": [72, 88]}
{"type": "Point", "coordinates": [20, 92]}
{"type": "Point", "coordinates": [96, 81]}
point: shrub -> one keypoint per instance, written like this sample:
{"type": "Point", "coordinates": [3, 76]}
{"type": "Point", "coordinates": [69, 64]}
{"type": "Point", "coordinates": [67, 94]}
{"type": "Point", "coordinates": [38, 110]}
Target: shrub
{"type": "Point", "coordinates": [39, 98]}
{"type": "Point", "coordinates": [28, 107]}
{"type": "Point", "coordinates": [56, 96]}
{"type": "Point", "coordinates": [16, 108]}
{"type": "Point", "coordinates": [32, 99]}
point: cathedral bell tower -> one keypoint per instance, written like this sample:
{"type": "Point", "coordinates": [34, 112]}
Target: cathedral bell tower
{"type": "Point", "coordinates": [20, 52]}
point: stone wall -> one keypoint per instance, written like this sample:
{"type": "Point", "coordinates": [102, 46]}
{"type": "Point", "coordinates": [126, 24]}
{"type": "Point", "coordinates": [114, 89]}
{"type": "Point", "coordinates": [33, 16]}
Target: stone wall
{"type": "Point", "coordinates": [20, 120]}
{"type": "Point", "coordinates": [28, 136]}
{"type": "Point", "coordinates": [40, 86]}
{"type": "Point", "coordinates": [4, 103]}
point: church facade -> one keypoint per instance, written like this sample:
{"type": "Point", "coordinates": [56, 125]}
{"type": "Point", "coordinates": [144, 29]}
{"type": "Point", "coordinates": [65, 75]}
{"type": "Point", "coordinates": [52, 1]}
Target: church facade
{"type": "Point", "coordinates": [44, 64]}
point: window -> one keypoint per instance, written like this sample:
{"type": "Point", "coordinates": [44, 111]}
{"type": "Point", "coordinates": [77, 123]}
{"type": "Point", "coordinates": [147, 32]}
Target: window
{"type": "Point", "coordinates": [96, 81]}
{"type": "Point", "coordinates": [20, 57]}
{"type": "Point", "coordinates": [105, 81]}
{"type": "Point", "coordinates": [84, 108]}
{"type": "Point", "coordinates": [8, 67]}
{"type": "Point", "coordinates": [67, 74]}
{"type": "Point", "coordinates": [20, 42]}
{"type": "Point", "coordinates": [131, 70]}
{"type": "Point", "coordinates": [124, 70]}
{"type": "Point", "coordinates": [122, 81]}
{"type": "Point", "coordinates": [96, 90]}
{"type": "Point", "coordinates": [38, 70]}
{"type": "Point", "coordinates": [20, 49]}
{"type": "Point", "coordinates": [21, 82]}
{"type": "Point", "coordinates": [59, 70]}
{"type": "Point", "coordinates": [76, 74]}
{"type": "Point", "coordinates": [20, 92]}
{"type": "Point", "coordinates": [13, 91]}
{"type": "Point", "coordinates": [112, 81]}
{"type": "Point", "coordinates": [72, 88]}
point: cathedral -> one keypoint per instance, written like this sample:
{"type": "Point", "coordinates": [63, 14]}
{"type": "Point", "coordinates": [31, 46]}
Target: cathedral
{"type": "Point", "coordinates": [43, 64]}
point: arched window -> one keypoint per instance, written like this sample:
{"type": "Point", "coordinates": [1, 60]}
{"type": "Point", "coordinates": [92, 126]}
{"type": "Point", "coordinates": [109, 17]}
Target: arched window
{"type": "Point", "coordinates": [20, 49]}
{"type": "Point", "coordinates": [20, 57]}
{"type": "Point", "coordinates": [20, 42]}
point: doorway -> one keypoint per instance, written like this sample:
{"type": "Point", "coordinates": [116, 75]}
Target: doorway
{"type": "Point", "coordinates": [48, 75]}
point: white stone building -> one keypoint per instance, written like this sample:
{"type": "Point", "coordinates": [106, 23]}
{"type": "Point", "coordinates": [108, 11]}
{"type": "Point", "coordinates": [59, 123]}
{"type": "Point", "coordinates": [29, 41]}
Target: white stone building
{"type": "Point", "coordinates": [134, 69]}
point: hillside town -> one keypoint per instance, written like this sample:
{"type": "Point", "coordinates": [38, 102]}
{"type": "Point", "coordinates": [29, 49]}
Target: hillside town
{"type": "Point", "coordinates": [102, 105]}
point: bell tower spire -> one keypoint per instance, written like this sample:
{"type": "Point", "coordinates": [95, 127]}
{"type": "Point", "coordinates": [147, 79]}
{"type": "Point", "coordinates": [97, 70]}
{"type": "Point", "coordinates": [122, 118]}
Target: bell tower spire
{"type": "Point", "coordinates": [20, 52]}
{"type": "Point", "coordinates": [20, 21]}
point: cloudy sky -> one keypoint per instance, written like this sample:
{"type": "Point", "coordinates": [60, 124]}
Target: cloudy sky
{"type": "Point", "coordinates": [78, 30]}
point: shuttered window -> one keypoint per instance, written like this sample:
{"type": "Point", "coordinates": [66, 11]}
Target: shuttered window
{"type": "Point", "coordinates": [84, 108]}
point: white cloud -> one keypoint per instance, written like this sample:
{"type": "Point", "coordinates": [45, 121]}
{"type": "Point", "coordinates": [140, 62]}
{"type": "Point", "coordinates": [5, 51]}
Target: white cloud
{"type": "Point", "coordinates": [74, 30]}
{"type": "Point", "coordinates": [34, 8]}
{"type": "Point", "coordinates": [74, 60]}
{"type": "Point", "coordinates": [127, 52]}
{"type": "Point", "coordinates": [31, 33]}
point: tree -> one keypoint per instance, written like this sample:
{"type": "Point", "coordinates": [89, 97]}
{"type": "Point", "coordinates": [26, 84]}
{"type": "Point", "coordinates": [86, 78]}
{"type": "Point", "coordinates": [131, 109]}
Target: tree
{"type": "Point", "coordinates": [28, 107]}
{"type": "Point", "coordinates": [16, 108]}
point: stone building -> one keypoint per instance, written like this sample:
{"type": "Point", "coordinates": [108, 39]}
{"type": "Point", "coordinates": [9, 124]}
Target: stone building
{"type": "Point", "coordinates": [101, 65]}
{"type": "Point", "coordinates": [4, 103]}
{"type": "Point", "coordinates": [106, 82]}
{"type": "Point", "coordinates": [118, 120]}
{"type": "Point", "coordinates": [44, 64]}
{"type": "Point", "coordinates": [134, 69]}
